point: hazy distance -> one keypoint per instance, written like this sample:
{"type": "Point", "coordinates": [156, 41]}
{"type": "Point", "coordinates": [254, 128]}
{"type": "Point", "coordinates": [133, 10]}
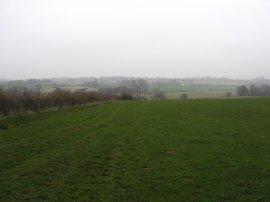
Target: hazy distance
{"type": "Point", "coordinates": [142, 38]}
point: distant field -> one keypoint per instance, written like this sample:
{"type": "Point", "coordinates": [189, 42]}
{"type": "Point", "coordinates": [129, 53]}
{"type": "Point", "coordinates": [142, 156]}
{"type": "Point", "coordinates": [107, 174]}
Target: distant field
{"type": "Point", "coordinates": [191, 150]}
{"type": "Point", "coordinates": [171, 91]}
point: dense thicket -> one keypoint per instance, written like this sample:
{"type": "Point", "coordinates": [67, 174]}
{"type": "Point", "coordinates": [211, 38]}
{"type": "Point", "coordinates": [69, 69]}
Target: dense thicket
{"type": "Point", "coordinates": [253, 90]}
{"type": "Point", "coordinates": [15, 100]}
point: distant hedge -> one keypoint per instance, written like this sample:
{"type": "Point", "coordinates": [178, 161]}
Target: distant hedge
{"type": "Point", "coordinates": [16, 99]}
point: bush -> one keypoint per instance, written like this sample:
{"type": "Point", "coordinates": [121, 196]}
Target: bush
{"type": "Point", "coordinates": [160, 95]}
{"type": "Point", "coordinates": [126, 96]}
{"type": "Point", "coordinates": [184, 96]}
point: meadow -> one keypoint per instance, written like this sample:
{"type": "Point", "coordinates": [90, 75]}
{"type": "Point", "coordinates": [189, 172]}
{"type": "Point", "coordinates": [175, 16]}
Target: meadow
{"type": "Point", "coordinates": [173, 150]}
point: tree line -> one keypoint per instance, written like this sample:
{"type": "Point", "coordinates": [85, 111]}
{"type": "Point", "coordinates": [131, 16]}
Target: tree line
{"type": "Point", "coordinates": [17, 100]}
{"type": "Point", "coordinates": [253, 90]}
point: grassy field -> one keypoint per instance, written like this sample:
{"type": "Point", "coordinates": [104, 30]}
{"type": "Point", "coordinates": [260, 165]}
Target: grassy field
{"type": "Point", "coordinates": [191, 150]}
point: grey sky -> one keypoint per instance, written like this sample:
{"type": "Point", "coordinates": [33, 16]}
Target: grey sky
{"type": "Point", "coordinates": [188, 38]}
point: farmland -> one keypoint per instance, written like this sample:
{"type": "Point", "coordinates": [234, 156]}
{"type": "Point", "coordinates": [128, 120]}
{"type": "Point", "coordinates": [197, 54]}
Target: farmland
{"type": "Point", "coordinates": [146, 87]}
{"type": "Point", "coordinates": [185, 150]}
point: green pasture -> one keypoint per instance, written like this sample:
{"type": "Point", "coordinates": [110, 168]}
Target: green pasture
{"type": "Point", "coordinates": [189, 150]}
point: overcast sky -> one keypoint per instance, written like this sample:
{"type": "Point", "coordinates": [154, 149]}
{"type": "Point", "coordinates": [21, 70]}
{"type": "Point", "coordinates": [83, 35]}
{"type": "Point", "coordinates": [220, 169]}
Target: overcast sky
{"type": "Point", "coordinates": [141, 38]}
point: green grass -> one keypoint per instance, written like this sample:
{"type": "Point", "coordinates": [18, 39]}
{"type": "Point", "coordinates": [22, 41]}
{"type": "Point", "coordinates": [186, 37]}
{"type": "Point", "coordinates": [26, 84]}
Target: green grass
{"type": "Point", "coordinates": [191, 150]}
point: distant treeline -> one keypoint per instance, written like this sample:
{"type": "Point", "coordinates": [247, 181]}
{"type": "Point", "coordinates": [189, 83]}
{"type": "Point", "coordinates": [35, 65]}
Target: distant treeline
{"type": "Point", "coordinates": [30, 83]}
{"type": "Point", "coordinates": [253, 90]}
{"type": "Point", "coordinates": [17, 99]}
{"type": "Point", "coordinates": [138, 88]}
